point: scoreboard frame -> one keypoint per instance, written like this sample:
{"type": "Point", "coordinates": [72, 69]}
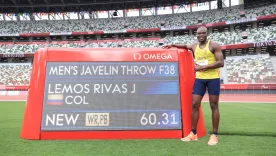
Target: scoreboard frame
{"type": "Point", "coordinates": [31, 126]}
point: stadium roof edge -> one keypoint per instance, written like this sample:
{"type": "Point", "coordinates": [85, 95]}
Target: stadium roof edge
{"type": "Point", "coordinates": [18, 6]}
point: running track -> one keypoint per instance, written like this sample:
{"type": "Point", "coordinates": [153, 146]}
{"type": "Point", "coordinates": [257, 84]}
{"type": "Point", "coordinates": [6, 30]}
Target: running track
{"type": "Point", "coordinates": [258, 98]}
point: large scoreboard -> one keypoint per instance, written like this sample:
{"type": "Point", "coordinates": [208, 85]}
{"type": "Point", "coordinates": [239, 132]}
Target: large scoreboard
{"type": "Point", "coordinates": [109, 94]}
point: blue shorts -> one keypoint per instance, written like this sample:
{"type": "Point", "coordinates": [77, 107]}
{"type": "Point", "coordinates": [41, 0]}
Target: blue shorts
{"type": "Point", "coordinates": [213, 86]}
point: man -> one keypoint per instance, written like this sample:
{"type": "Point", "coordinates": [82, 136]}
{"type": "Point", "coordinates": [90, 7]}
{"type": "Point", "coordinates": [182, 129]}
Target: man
{"type": "Point", "coordinates": [209, 59]}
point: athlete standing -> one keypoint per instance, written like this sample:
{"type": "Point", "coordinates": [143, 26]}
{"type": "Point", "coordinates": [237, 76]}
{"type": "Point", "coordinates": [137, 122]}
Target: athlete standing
{"type": "Point", "coordinates": [209, 59]}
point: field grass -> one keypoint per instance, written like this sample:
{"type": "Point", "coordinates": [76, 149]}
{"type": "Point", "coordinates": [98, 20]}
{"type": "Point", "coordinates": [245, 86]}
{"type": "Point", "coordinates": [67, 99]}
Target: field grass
{"type": "Point", "coordinates": [245, 128]}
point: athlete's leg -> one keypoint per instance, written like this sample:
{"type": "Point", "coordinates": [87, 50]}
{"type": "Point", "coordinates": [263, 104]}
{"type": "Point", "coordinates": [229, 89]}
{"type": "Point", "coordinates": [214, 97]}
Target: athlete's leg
{"type": "Point", "coordinates": [198, 93]}
{"type": "Point", "coordinates": [195, 110]}
{"type": "Point", "coordinates": [214, 103]}
{"type": "Point", "coordinates": [214, 91]}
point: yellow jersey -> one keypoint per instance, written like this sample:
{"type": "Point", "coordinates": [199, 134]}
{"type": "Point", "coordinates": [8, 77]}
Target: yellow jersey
{"type": "Point", "coordinates": [203, 56]}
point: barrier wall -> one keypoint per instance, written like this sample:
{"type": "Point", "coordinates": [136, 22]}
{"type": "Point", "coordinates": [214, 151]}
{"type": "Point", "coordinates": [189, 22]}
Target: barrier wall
{"type": "Point", "coordinates": [13, 88]}
{"type": "Point", "coordinates": [248, 88]}
{"type": "Point", "coordinates": [118, 93]}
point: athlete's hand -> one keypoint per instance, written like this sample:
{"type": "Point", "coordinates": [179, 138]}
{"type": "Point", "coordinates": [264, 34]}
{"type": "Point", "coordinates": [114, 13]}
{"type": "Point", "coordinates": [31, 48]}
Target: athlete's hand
{"type": "Point", "coordinates": [167, 46]}
{"type": "Point", "coordinates": [198, 67]}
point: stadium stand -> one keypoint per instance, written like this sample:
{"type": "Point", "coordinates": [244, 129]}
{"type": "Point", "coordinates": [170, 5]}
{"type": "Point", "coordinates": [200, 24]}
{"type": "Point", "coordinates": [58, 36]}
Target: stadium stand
{"type": "Point", "coordinates": [15, 74]}
{"type": "Point", "coordinates": [250, 69]}
{"type": "Point", "coordinates": [223, 38]}
{"type": "Point", "coordinates": [177, 20]}
{"type": "Point", "coordinates": [262, 34]}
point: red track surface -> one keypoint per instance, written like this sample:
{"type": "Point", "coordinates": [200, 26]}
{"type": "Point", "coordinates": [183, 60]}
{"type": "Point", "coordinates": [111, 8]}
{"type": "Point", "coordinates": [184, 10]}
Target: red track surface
{"type": "Point", "coordinates": [223, 98]}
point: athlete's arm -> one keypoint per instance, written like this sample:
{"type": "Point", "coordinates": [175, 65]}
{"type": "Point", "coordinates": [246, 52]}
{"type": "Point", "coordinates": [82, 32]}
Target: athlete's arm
{"type": "Point", "coordinates": [219, 58]}
{"type": "Point", "coordinates": [185, 46]}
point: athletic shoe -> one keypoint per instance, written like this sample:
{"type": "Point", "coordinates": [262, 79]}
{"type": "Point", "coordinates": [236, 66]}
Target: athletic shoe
{"type": "Point", "coordinates": [213, 140]}
{"type": "Point", "coordinates": [190, 137]}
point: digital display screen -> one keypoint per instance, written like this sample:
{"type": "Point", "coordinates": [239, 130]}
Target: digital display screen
{"type": "Point", "coordinates": [93, 96]}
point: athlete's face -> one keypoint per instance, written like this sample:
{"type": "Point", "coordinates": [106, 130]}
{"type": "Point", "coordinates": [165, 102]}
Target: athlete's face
{"type": "Point", "coordinates": [201, 34]}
